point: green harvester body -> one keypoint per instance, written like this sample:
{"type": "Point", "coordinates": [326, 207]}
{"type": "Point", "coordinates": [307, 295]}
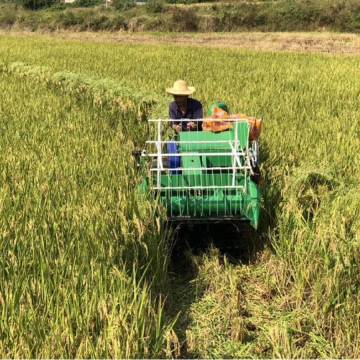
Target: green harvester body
{"type": "Point", "coordinates": [211, 185]}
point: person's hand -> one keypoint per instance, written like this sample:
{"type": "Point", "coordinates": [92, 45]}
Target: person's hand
{"type": "Point", "coordinates": [177, 128]}
{"type": "Point", "coordinates": [191, 125]}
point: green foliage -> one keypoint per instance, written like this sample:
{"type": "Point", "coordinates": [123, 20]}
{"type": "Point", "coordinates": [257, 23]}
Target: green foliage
{"type": "Point", "coordinates": [87, 3]}
{"type": "Point", "coordinates": [36, 4]}
{"type": "Point", "coordinates": [7, 16]}
{"type": "Point", "coordinates": [155, 6]}
{"type": "Point", "coordinates": [186, 1]}
{"type": "Point", "coordinates": [182, 19]}
{"type": "Point", "coordinates": [123, 4]}
{"type": "Point", "coordinates": [67, 18]}
{"type": "Point", "coordinates": [292, 15]}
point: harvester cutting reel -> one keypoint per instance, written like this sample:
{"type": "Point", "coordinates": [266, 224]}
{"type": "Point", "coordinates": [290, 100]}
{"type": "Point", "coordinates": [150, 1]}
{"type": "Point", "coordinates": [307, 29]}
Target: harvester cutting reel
{"type": "Point", "coordinates": [203, 176]}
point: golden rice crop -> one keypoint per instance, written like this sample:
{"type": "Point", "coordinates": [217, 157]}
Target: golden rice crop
{"type": "Point", "coordinates": [302, 298]}
{"type": "Point", "coordinates": [82, 259]}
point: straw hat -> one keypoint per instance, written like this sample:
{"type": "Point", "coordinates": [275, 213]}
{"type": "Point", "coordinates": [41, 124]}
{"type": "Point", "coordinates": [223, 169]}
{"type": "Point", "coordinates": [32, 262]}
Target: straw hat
{"type": "Point", "coordinates": [180, 87]}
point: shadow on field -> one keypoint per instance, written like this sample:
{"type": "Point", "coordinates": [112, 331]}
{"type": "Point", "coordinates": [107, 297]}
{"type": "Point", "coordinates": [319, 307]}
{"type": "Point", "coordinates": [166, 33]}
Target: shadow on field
{"type": "Point", "coordinates": [239, 243]}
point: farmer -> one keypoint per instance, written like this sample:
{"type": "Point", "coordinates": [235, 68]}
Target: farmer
{"type": "Point", "coordinates": [184, 107]}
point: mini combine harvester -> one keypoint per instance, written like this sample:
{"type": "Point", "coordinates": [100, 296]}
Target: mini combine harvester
{"type": "Point", "coordinates": [205, 176]}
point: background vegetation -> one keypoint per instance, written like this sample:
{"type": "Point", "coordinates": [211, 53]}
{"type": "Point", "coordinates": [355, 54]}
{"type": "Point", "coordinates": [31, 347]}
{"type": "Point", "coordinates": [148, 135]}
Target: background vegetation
{"type": "Point", "coordinates": [86, 263]}
{"type": "Point", "coordinates": [156, 15]}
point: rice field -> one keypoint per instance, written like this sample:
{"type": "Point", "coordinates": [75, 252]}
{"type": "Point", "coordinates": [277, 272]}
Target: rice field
{"type": "Point", "coordinates": [85, 270]}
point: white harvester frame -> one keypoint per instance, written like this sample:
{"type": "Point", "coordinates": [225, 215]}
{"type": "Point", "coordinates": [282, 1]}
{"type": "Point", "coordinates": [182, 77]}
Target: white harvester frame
{"type": "Point", "coordinates": [242, 159]}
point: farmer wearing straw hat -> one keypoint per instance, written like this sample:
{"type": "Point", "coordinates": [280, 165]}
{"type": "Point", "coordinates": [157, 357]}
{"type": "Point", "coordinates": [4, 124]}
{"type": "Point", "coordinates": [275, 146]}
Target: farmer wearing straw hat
{"type": "Point", "coordinates": [184, 107]}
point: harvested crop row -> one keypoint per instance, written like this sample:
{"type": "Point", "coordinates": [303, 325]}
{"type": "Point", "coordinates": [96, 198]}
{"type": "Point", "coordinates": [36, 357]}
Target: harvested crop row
{"type": "Point", "coordinates": [111, 94]}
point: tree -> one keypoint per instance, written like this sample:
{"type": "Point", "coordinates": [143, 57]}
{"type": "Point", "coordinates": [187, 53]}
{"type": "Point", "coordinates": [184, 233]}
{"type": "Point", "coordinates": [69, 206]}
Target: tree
{"type": "Point", "coordinates": [36, 4]}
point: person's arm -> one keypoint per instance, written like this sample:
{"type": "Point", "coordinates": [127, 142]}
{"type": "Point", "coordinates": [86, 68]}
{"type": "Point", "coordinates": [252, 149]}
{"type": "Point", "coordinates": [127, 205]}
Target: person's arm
{"type": "Point", "coordinates": [172, 112]}
{"type": "Point", "coordinates": [199, 114]}
{"type": "Point", "coordinates": [176, 125]}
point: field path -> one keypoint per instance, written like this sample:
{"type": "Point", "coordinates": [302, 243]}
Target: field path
{"type": "Point", "coordinates": [332, 43]}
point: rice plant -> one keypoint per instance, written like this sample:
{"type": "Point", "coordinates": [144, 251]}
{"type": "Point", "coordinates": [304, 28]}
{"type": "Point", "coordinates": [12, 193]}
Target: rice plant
{"type": "Point", "coordinates": [83, 260]}
{"type": "Point", "coordinates": [68, 201]}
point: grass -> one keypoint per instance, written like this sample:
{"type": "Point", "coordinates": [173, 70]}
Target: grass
{"type": "Point", "coordinates": [300, 298]}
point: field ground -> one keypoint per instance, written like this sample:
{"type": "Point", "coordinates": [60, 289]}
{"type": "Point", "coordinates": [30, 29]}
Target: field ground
{"type": "Point", "coordinates": [281, 41]}
{"type": "Point", "coordinates": [86, 260]}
